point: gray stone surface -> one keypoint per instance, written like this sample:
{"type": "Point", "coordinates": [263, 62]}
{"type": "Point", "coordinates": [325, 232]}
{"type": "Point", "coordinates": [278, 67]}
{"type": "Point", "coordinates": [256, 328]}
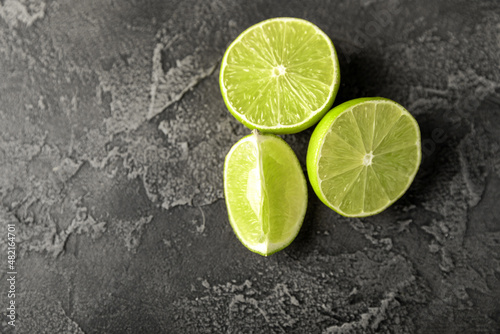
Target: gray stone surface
{"type": "Point", "coordinates": [112, 139]}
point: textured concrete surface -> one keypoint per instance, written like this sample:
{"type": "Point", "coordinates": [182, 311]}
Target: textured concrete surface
{"type": "Point", "coordinates": [112, 139]}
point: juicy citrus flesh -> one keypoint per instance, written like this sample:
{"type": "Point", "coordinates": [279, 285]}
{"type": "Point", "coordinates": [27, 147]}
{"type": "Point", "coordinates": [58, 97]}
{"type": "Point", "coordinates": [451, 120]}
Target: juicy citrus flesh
{"type": "Point", "coordinates": [363, 156]}
{"type": "Point", "coordinates": [266, 193]}
{"type": "Point", "coordinates": [280, 75]}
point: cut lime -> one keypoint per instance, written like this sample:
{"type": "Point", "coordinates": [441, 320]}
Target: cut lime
{"type": "Point", "coordinates": [280, 75]}
{"type": "Point", "coordinates": [265, 191]}
{"type": "Point", "coordinates": [363, 156]}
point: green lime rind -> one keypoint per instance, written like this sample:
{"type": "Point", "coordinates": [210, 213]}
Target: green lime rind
{"type": "Point", "coordinates": [265, 193]}
{"type": "Point", "coordinates": [396, 189]}
{"type": "Point", "coordinates": [290, 98]}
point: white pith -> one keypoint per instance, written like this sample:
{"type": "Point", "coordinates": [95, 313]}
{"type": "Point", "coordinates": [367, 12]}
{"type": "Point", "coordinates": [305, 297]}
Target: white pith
{"type": "Point", "coordinates": [279, 70]}
{"type": "Point", "coordinates": [367, 159]}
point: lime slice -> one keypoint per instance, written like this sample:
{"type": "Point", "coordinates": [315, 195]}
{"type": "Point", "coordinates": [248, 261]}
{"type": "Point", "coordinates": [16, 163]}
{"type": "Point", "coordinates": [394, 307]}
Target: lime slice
{"type": "Point", "coordinates": [266, 192]}
{"type": "Point", "coordinates": [363, 156]}
{"type": "Point", "coordinates": [280, 75]}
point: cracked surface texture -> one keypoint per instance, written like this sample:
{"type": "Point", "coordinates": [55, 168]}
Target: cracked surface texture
{"type": "Point", "coordinates": [113, 134]}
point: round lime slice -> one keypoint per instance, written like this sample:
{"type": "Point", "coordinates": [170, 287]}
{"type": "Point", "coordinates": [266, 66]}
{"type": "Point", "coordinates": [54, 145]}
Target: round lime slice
{"type": "Point", "coordinates": [363, 156]}
{"type": "Point", "coordinates": [280, 75]}
{"type": "Point", "coordinates": [265, 191]}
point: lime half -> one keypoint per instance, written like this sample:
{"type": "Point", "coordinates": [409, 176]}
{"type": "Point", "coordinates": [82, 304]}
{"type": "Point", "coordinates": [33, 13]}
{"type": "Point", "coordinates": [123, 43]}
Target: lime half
{"type": "Point", "coordinates": [280, 75]}
{"type": "Point", "coordinates": [265, 191]}
{"type": "Point", "coordinates": [363, 156]}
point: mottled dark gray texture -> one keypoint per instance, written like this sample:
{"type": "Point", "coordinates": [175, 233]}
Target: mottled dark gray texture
{"type": "Point", "coordinates": [112, 140]}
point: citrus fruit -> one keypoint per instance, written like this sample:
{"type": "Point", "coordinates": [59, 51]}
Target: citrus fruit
{"type": "Point", "coordinates": [265, 191]}
{"type": "Point", "coordinates": [363, 156]}
{"type": "Point", "coordinates": [280, 75]}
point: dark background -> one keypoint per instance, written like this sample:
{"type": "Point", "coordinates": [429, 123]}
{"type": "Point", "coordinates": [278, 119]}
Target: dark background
{"type": "Point", "coordinates": [113, 134]}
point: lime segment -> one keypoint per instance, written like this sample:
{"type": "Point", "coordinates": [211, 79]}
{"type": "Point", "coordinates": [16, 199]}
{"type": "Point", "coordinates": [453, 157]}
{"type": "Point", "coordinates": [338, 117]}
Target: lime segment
{"type": "Point", "coordinates": [280, 75]}
{"type": "Point", "coordinates": [265, 191]}
{"type": "Point", "coordinates": [363, 156]}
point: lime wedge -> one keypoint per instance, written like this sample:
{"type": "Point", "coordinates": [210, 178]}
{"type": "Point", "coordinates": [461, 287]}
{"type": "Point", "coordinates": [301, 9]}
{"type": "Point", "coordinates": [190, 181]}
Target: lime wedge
{"type": "Point", "coordinates": [265, 191]}
{"type": "Point", "coordinates": [363, 156]}
{"type": "Point", "coordinates": [280, 75]}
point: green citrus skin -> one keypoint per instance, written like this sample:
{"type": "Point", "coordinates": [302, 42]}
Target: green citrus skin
{"type": "Point", "coordinates": [392, 188]}
{"type": "Point", "coordinates": [265, 192]}
{"type": "Point", "coordinates": [276, 91]}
